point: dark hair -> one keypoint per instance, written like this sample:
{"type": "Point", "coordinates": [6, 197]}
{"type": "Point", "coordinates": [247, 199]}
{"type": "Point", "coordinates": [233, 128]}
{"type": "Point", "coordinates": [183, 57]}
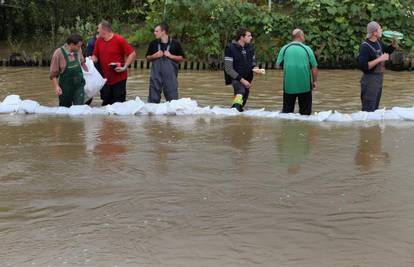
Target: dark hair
{"type": "Point", "coordinates": [241, 32]}
{"type": "Point", "coordinates": [164, 26]}
{"type": "Point", "coordinates": [106, 25]}
{"type": "Point", "coordinates": [74, 39]}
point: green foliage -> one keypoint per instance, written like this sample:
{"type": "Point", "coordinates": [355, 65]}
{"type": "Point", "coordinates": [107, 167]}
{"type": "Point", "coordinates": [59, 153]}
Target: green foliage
{"type": "Point", "coordinates": [335, 27]}
{"type": "Point", "coordinates": [332, 27]}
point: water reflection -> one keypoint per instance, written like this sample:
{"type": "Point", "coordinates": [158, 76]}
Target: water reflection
{"type": "Point", "coordinates": [66, 139]}
{"type": "Point", "coordinates": [369, 149]}
{"type": "Point", "coordinates": [163, 134]}
{"type": "Point", "coordinates": [294, 144]}
{"type": "Point", "coordinates": [109, 137]}
{"type": "Point", "coordinates": [238, 132]}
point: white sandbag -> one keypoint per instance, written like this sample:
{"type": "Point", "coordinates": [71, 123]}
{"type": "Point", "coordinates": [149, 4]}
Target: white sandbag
{"type": "Point", "coordinates": [255, 112]}
{"type": "Point", "coordinates": [391, 115]}
{"type": "Point", "coordinates": [93, 80]}
{"type": "Point", "coordinates": [77, 110]}
{"type": "Point", "coordinates": [224, 111]}
{"type": "Point", "coordinates": [183, 106]}
{"type": "Point", "coordinates": [99, 111]}
{"type": "Point", "coordinates": [323, 115]}
{"type": "Point", "coordinates": [12, 100]}
{"type": "Point", "coordinates": [126, 108]}
{"type": "Point", "coordinates": [62, 111]}
{"type": "Point", "coordinates": [156, 109]}
{"type": "Point", "coordinates": [405, 113]}
{"type": "Point", "coordinates": [339, 117]}
{"type": "Point", "coordinates": [28, 106]}
{"type": "Point", "coordinates": [10, 104]}
{"type": "Point", "coordinates": [8, 108]}
{"type": "Point", "coordinates": [359, 116]}
{"type": "Point", "coordinates": [45, 110]}
{"type": "Point", "coordinates": [377, 115]}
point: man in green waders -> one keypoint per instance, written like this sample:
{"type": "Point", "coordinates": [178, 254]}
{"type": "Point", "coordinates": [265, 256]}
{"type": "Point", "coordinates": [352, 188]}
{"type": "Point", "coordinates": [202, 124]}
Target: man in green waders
{"type": "Point", "coordinates": [66, 65]}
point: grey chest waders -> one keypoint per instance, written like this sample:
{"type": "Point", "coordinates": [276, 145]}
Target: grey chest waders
{"type": "Point", "coordinates": [371, 83]}
{"type": "Point", "coordinates": [164, 72]}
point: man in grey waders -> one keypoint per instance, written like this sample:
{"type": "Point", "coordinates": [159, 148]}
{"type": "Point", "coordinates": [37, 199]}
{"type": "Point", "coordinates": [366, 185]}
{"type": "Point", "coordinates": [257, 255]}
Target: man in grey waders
{"type": "Point", "coordinates": [165, 53]}
{"type": "Point", "coordinates": [372, 56]}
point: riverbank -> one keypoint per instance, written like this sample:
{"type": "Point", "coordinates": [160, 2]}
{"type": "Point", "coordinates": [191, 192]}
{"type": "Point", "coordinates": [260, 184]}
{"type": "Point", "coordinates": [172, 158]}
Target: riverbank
{"type": "Point", "coordinates": [398, 62]}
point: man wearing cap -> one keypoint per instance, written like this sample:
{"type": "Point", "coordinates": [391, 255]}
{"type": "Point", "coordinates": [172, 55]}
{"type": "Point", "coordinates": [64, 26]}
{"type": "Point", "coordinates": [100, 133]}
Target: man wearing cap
{"type": "Point", "coordinates": [372, 56]}
{"type": "Point", "coordinates": [300, 74]}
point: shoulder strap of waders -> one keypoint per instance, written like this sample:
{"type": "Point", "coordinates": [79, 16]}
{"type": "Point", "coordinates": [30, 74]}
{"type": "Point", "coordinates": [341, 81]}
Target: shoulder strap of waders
{"type": "Point", "coordinates": [168, 46]}
{"type": "Point", "coordinates": [373, 48]}
{"type": "Point", "coordinates": [65, 55]}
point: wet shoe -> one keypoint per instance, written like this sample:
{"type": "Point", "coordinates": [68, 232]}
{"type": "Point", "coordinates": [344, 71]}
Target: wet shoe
{"type": "Point", "coordinates": [238, 107]}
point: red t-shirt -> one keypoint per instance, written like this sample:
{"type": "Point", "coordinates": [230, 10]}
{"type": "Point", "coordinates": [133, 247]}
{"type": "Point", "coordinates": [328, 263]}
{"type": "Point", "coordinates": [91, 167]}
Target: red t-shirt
{"type": "Point", "coordinates": [114, 50]}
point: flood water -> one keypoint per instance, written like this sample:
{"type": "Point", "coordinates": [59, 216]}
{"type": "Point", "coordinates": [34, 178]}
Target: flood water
{"type": "Point", "coordinates": [207, 190]}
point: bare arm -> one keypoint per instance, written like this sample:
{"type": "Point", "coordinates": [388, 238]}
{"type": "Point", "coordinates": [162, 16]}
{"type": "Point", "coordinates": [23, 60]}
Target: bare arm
{"type": "Point", "coordinates": [131, 57]}
{"type": "Point", "coordinates": [173, 57]}
{"type": "Point", "coordinates": [85, 68]}
{"type": "Point", "coordinates": [382, 58]}
{"type": "Point", "coordinates": [155, 56]}
{"type": "Point", "coordinates": [56, 86]}
{"type": "Point", "coordinates": [315, 78]}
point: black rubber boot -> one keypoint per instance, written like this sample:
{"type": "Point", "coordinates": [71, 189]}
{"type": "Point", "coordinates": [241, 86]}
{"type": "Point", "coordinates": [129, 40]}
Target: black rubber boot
{"type": "Point", "coordinates": [238, 107]}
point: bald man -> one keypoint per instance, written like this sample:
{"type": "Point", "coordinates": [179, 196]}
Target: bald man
{"type": "Point", "coordinates": [300, 74]}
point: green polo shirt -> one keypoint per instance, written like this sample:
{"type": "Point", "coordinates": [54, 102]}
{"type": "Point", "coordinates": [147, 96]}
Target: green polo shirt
{"type": "Point", "coordinates": [297, 61]}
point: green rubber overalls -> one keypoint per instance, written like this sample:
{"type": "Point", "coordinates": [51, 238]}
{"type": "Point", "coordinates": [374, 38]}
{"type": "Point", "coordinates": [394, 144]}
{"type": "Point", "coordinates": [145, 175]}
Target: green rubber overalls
{"type": "Point", "coordinates": [71, 82]}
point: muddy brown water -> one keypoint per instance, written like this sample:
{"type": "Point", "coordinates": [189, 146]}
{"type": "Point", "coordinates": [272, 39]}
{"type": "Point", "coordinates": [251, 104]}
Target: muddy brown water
{"type": "Point", "coordinates": [207, 190]}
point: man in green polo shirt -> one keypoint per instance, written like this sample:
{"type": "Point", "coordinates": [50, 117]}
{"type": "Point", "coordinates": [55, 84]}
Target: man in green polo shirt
{"type": "Point", "coordinates": [299, 74]}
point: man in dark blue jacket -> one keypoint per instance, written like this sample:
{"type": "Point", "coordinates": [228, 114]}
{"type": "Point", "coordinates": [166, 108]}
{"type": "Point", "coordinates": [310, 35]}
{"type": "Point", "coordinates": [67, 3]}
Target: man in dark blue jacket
{"type": "Point", "coordinates": [372, 56]}
{"type": "Point", "coordinates": [239, 65]}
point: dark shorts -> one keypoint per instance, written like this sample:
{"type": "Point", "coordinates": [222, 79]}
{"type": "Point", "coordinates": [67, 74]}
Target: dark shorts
{"type": "Point", "coordinates": [113, 93]}
{"type": "Point", "coordinates": [305, 103]}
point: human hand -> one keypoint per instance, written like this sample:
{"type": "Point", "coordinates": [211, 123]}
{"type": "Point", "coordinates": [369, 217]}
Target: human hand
{"type": "Point", "coordinates": [314, 86]}
{"type": "Point", "coordinates": [121, 69]}
{"type": "Point", "coordinates": [259, 71]}
{"type": "Point", "coordinates": [158, 54]}
{"type": "Point", "coordinates": [394, 43]}
{"type": "Point", "coordinates": [384, 57]}
{"type": "Point", "coordinates": [58, 90]}
{"type": "Point", "coordinates": [245, 83]}
{"type": "Point", "coordinates": [167, 54]}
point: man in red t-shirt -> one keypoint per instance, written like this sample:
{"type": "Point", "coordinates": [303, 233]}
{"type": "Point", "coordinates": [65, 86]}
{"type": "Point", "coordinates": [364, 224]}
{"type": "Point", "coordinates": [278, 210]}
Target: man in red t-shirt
{"type": "Point", "coordinates": [114, 55]}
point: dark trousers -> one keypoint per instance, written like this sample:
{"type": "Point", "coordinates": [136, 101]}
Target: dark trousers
{"type": "Point", "coordinates": [239, 89]}
{"type": "Point", "coordinates": [371, 90]}
{"type": "Point", "coordinates": [305, 103]}
{"type": "Point", "coordinates": [113, 93]}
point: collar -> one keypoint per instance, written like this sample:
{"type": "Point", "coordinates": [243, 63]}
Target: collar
{"type": "Point", "coordinates": [70, 53]}
{"type": "Point", "coordinates": [238, 45]}
{"type": "Point", "coordinates": [169, 40]}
